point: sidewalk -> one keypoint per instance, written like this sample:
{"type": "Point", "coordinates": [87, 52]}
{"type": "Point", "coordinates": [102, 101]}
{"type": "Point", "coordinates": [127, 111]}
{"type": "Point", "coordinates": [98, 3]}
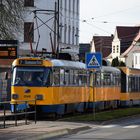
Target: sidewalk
{"type": "Point", "coordinates": [40, 130]}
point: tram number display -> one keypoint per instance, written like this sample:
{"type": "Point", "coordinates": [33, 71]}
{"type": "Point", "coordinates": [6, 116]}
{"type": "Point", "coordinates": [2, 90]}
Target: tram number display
{"type": "Point", "coordinates": [30, 62]}
{"type": "Point", "coordinates": [8, 52]}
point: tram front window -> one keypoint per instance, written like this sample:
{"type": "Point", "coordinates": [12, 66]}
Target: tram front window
{"type": "Point", "coordinates": [31, 76]}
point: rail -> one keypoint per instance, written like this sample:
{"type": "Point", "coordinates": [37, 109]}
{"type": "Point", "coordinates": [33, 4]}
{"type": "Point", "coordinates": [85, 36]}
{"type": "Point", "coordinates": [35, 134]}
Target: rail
{"type": "Point", "coordinates": [17, 113]}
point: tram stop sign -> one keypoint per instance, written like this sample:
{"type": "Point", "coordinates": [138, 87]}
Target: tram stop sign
{"type": "Point", "coordinates": [93, 60]}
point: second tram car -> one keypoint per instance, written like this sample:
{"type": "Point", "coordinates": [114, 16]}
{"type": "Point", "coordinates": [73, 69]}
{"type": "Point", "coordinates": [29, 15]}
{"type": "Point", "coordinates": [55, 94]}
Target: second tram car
{"type": "Point", "coordinates": [130, 86]}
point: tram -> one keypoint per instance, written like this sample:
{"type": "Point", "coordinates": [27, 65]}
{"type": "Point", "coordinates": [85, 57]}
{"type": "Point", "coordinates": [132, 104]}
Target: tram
{"type": "Point", "coordinates": [59, 86]}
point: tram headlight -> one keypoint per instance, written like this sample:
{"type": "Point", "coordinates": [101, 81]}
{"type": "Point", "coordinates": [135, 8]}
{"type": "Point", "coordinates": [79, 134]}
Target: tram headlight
{"type": "Point", "coordinates": [15, 96]}
{"type": "Point", "coordinates": [39, 97]}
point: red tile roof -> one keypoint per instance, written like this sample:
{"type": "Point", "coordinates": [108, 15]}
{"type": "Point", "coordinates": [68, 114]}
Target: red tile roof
{"type": "Point", "coordinates": [136, 39]}
{"type": "Point", "coordinates": [103, 44]}
{"type": "Point", "coordinates": [126, 34]}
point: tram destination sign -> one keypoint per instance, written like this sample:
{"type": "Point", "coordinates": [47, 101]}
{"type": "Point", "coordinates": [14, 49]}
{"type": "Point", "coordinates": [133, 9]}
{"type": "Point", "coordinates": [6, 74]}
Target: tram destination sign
{"type": "Point", "coordinates": [8, 52]}
{"type": "Point", "coordinates": [30, 62]}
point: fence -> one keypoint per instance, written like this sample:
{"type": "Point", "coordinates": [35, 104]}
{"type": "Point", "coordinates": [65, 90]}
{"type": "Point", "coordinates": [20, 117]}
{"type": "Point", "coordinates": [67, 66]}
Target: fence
{"type": "Point", "coordinates": [4, 115]}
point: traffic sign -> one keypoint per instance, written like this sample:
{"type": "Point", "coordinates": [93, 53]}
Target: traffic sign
{"type": "Point", "coordinates": [93, 60]}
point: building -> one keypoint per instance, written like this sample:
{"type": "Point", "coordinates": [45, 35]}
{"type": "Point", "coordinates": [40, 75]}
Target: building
{"type": "Point", "coordinates": [132, 54]}
{"type": "Point", "coordinates": [102, 44]}
{"type": "Point", "coordinates": [83, 49]}
{"type": "Point", "coordinates": [8, 52]}
{"type": "Point", "coordinates": [50, 26]}
{"type": "Point", "coordinates": [123, 39]}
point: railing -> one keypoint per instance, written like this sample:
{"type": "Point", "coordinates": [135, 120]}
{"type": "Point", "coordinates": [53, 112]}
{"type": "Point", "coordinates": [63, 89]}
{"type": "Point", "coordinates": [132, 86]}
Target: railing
{"type": "Point", "coordinates": [17, 113]}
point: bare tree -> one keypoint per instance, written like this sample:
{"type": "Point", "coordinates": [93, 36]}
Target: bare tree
{"type": "Point", "coordinates": [11, 18]}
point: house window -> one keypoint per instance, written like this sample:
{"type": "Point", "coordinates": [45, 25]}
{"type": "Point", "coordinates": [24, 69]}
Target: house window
{"type": "Point", "coordinates": [113, 49]}
{"type": "Point", "coordinates": [66, 4]}
{"type": "Point", "coordinates": [69, 35]}
{"type": "Point", "coordinates": [65, 34]}
{"type": "Point", "coordinates": [28, 32]}
{"type": "Point", "coordinates": [73, 35]}
{"type": "Point", "coordinates": [69, 5]}
{"type": "Point", "coordinates": [29, 3]}
{"type": "Point", "coordinates": [61, 34]}
{"type": "Point", "coordinates": [77, 6]}
{"type": "Point", "coordinates": [117, 48]}
{"type": "Point", "coordinates": [61, 4]}
{"type": "Point", "coordinates": [73, 6]}
{"type": "Point", "coordinates": [77, 31]}
{"type": "Point", "coordinates": [136, 60]}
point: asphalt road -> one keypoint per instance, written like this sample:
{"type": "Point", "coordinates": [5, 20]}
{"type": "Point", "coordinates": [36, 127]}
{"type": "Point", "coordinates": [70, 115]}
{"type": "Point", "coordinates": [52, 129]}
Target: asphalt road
{"type": "Point", "coordinates": [124, 129]}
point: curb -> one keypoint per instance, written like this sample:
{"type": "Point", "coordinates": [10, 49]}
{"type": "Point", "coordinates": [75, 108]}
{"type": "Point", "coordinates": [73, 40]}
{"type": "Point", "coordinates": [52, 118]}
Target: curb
{"type": "Point", "coordinates": [76, 130]}
{"type": "Point", "coordinates": [56, 133]}
{"type": "Point", "coordinates": [42, 136]}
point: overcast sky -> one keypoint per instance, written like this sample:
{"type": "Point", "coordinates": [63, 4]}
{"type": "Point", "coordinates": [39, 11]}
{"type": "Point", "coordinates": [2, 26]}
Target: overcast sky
{"type": "Point", "coordinates": [100, 17]}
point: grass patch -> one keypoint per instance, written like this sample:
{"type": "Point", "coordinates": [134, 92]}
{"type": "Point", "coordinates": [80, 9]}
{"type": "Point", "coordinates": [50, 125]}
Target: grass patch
{"type": "Point", "coordinates": [106, 115]}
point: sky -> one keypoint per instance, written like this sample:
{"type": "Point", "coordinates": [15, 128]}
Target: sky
{"type": "Point", "coordinates": [100, 17]}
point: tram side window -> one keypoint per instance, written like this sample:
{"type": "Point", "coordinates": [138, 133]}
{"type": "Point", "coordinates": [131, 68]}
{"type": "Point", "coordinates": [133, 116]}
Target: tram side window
{"type": "Point", "coordinates": [92, 79]}
{"type": "Point", "coordinates": [83, 77]}
{"type": "Point", "coordinates": [79, 78]}
{"type": "Point", "coordinates": [136, 84]}
{"type": "Point", "coordinates": [106, 79]}
{"type": "Point", "coordinates": [66, 77]}
{"type": "Point", "coordinates": [98, 79]}
{"type": "Point", "coordinates": [62, 77]}
{"type": "Point", "coordinates": [129, 84]}
{"type": "Point", "coordinates": [71, 77]}
{"type": "Point", "coordinates": [76, 78]}
{"type": "Point", "coordinates": [56, 76]}
{"type": "Point", "coordinates": [123, 82]}
{"type": "Point", "coordinates": [139, 84]}
{"type": "Point", "coordinates": [116, 80]}
{"type": "Point", "coordinates": [132, 83]}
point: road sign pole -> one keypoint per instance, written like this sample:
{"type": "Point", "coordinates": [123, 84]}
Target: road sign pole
{"type": "Point", "coordinates": [93, 61]}
{"type": "Point", "coordinates": [94, 112]}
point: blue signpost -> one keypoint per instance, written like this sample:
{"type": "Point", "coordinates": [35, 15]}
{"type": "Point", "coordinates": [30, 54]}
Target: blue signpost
{"type": "Point", "coordinates": [93, 60]}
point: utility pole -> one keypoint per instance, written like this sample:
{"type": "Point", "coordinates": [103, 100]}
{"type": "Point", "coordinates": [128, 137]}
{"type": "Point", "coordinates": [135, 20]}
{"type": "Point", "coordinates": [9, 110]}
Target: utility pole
{"type": "Point", "coordinates": [58, 36]}
{"type": "Point", "coordinates": [55, 19]}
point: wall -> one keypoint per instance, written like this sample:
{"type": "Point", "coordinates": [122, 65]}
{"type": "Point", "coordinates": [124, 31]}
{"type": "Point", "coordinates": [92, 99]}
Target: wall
{"type": "Point", "coordinates": [68, 26]}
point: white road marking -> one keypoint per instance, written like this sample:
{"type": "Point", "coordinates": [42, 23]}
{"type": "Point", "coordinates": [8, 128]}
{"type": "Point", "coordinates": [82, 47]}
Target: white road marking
{"type": "Point", "coordinates": [108, 126]}
{"type": "Point", "coordinates": [111, 126]}
{"type": "Point", "coordinates": [131, 126]}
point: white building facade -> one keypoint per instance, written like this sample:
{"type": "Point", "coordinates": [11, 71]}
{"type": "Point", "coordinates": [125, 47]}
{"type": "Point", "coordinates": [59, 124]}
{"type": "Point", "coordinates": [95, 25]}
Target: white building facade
{"type": "Point", "coordinates": [45, 29]}
{"type": "Point", "coordinates": [116, 46]}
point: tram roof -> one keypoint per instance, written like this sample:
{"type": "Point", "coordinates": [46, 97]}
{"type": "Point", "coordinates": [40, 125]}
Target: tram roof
{"type": "Point", "coordinates": [65, 63]}
{"type": "Point", "coordinates": [109, 69]}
